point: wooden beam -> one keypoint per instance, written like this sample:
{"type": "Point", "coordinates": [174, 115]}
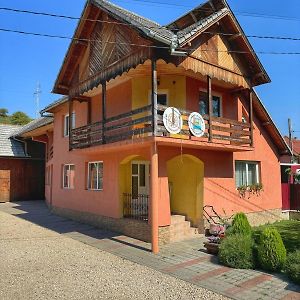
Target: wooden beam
{"type": "Point", "coordinates": [210, 108]}
{"type": "Point", "coordinates": [251, 116]}
{"type": "Point", "coordinates": [154, 95]}
{"type": "Point", "coordinates": [103, 110]}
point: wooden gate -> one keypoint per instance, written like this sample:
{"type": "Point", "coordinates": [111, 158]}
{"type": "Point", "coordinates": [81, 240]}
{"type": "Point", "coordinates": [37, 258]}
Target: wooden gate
{"type": "Point", "coordinates": [4, 185]}
{"type": "Point", "coordinates": [295, 197]}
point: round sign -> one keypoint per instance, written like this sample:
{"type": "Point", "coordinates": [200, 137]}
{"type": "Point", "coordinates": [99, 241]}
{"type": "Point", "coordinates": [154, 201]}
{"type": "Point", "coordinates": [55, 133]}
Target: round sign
{"type": "Point", "coordinates": [196, 124]}
{"type": "Point", "coordinates": [172, 120]}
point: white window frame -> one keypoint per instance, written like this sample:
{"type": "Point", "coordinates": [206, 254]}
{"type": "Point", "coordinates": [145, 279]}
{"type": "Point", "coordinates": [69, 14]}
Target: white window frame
{"type": "Point", "coordinates": [68, 187]}
{"type": "Point", "coordinates": [88, 177]}
{"type": "Point", "coordinates": [216, 94]}
{"type": "Point", "coordinates": [247, 162]}
{"type": "Point", "coordinates": [66, 124]}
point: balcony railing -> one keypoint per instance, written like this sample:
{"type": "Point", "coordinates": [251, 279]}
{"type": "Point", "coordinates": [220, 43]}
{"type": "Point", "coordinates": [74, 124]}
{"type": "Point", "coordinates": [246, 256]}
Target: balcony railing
{"type": "Point", "coordinates": [138, 123]}
{"type": "Point", "coordinates": [135, 207]}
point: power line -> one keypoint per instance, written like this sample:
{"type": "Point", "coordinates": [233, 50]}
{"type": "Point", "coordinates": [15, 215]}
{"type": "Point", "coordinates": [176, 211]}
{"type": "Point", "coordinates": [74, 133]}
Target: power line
{"type": "Point", "coordinates": [149, 27]}
{"type": "Point", "coordinates": [142, 45]}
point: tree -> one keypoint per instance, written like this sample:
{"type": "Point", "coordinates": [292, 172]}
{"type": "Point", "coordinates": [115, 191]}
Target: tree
{"type": "Point", "coordinates": [3, 112]}
{"type": "Point", "coordinates": [19, 118]}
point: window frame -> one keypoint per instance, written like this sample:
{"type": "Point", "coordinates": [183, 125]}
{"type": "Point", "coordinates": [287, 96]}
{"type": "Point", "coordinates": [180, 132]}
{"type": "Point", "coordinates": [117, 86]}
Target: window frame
{"type": "Point", "coordinates": [66, 124]}
{"type": "Point", "coordinates": [257, 171]}
{"type": "Point", "coordinates": [69, 187]}
{"type": "Point", "coordinates": [214, 94]}
{"type": "Point", "coordinates": [88, 175]}
{"type": "Point", "coordinates": [159, 92]}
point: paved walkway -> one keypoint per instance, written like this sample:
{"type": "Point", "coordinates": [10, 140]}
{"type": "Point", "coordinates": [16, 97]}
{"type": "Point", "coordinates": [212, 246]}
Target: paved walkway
{"type": "Point", "coordinates": [185, 260]}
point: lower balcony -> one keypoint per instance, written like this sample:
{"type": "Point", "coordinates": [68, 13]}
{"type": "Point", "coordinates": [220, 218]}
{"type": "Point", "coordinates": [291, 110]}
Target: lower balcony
{"type": "Point", "coordinates": [140, 124]}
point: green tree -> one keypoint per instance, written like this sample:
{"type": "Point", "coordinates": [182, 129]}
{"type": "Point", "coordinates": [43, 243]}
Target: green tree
{"type": "Point", "coordinates": [3, 112]}
{"type": "Point", "coordinates": [19, 118]}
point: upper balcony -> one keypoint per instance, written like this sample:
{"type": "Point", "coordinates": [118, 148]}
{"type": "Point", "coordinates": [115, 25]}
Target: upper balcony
{"type": "Point", "coordinates": [141, 124]}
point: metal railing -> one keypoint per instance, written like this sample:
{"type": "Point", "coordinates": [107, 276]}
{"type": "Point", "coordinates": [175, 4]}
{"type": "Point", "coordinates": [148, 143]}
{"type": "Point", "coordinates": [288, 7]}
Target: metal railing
{"type": "Point", "coordinates": [135, 207]}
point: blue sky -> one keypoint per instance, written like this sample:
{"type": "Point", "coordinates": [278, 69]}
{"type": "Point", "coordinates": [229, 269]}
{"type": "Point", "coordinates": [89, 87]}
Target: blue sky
{"type": "Point", "coordinates": [25, 60]}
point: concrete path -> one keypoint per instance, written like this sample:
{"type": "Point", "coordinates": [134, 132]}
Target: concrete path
{"type": "Point", "coordinates": [183, 260]}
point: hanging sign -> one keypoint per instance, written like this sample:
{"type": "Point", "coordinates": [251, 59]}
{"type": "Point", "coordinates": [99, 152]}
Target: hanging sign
{"type": "Point", "coordinates": [172, 120]}
{"type": "Point", "coordinates": [196, 124]}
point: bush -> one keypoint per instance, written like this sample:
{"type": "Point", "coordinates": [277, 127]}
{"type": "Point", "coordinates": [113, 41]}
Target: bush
{"type": "Point", "coordinates": [271, 251]}
{"type": "Point", "coordinates": [236, 251]}
{"type": "Point", "coordinates": [292, 266]}
{"type": "Point", "coordinates": [240, 225]}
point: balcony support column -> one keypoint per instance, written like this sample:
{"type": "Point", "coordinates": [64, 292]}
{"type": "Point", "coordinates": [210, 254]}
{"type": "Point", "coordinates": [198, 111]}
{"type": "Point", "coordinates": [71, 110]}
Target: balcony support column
{"type": "Point", "coordinates": [70, 102]}
{"type": "Point", "coordinates": [251, 116]}
{"type": "Point", "coordinates": [154, 199]}
{"type": "Point", "coordinates": [103, 110]}
{"type": "Point", "coordinates": [210, 108]}
{"type": "Point", "coordinates": [154, 95]}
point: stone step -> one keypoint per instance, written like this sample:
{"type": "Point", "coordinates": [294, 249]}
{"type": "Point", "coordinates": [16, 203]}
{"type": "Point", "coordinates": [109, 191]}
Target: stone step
{"type": "Point", "coordinates": [177, 219]}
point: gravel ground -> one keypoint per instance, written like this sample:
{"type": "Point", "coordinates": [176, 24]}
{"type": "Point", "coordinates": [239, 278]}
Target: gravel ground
{"type": "Point", "coordinates": [37, 263]}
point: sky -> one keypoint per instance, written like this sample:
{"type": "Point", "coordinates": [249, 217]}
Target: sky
{"type": "Point", "coordinates": [26, 60]}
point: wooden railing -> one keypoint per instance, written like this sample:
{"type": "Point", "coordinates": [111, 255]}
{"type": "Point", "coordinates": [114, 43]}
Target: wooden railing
{"type": "Point", "coordinates": [138, 123]}
{"type": "Point", "coordinates": [135, 207]}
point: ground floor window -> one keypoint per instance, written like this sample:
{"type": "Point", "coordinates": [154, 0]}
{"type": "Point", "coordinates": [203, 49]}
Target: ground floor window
{"type": "Point", "coordinates": [246, 173]}
{"type": "Point", "coordinates": [95, 175]}
{"type": "Point", "coordinates": [68, 176]}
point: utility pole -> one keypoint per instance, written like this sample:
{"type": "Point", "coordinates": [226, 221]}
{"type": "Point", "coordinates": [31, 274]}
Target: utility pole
{"type": "Point", "coordinates": [37, 94]}
{"type": "Point", "coordinates": [291, 137]}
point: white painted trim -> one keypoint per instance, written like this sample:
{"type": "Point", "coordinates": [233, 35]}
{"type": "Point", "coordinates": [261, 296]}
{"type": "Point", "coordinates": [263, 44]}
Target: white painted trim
{"type": "Point", "coordinates": [68, 184]}
{"type": "Point", "coordinates": [66, 134]}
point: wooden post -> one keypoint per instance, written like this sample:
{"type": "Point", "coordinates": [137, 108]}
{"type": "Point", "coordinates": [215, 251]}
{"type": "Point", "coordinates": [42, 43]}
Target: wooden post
{"type": "Point", "coordinates": [70, 122]}
{"type": "Point", "coordinates": [154, 199]}
{"type": "Point", "coordinates": [103, 110]}
{"type": "Point", "coordinates": [251, 116]}
{"type": "Point", "coordinates": [210, 108]}
{"type": "Point", "coordinates": [154, 95]}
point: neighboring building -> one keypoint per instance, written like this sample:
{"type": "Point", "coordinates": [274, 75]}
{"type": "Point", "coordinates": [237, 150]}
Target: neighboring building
{"type": "Point", "coordinates": [294, 145]}
{"type": "Point", "coordinates": [121, 161]}
{"type": "Point", "coordinates": [22, 166]}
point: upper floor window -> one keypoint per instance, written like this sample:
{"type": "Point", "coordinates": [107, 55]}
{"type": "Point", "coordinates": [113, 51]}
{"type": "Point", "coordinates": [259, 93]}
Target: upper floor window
{"type": "Point", "coordinates": [68, 176]}
{"type": "Point", "coordinates": [66, 123]}
{"type": "Point", "coordinates": [95, 175]}
{"type": "Point", "coordinates": [203, 104]}
{"type": "Point", "coordinates": [246, 173]}
{"type": "Point", "coordinates": [162, 98]}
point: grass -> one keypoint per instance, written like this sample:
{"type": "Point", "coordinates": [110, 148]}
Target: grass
{"type": "Point", "coordinates": [289, 231]}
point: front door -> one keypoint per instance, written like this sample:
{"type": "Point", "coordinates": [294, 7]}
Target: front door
{"type": "Point", "coordinates": [4, 185]}
{"type": "Point", "coordinates": [139, 178]}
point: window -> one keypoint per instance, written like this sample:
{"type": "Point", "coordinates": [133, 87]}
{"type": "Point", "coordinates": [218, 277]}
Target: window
{"type": "Point", "coordinates": [162, 99]}
{"type": "Point", "coordinates": [66, 124]}
{"type": "Point", "coordinates": [203, 104]}
{"type": "Point", "coordinates": [95, 175]}
{"type": "Point", "coordinates": [246, 173]}
{"type": "Point", "coordinates": [68, 176]}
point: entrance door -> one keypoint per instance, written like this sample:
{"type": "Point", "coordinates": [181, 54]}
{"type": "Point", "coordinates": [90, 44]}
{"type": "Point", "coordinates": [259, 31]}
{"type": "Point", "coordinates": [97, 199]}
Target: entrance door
{"type": "Point", "coordinates": [139, 178]}
{"type": "Point", "coordinates": [4, 185]}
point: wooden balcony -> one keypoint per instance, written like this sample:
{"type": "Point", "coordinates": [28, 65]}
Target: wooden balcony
{"type": "Point", "coordinates": [140, 124]}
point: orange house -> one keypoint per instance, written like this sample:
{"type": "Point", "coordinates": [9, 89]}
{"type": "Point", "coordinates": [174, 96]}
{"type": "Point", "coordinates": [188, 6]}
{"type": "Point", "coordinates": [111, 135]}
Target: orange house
{"type": "Point", "coordinates": [158, 122]}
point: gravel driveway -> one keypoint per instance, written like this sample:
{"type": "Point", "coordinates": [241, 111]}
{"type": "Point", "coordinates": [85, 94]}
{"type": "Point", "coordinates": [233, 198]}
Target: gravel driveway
{"type": "Point", "coordinates": [37, 263]}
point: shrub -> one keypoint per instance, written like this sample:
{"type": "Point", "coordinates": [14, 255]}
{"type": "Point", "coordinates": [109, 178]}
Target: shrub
{"type": "Point", "coordinates": [240, 225]}
{"type": "Point", "coordinates": [271, 251]}
{"type": "Point", "coordinates": [236, 251]}
{"type": "Point", "coordinates": [292, 266]}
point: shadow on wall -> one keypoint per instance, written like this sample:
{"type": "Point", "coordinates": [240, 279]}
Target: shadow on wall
{"type": "Point", "coordinates": [185, 176]}
{"type": "Point", "coordinates": [227, 195]}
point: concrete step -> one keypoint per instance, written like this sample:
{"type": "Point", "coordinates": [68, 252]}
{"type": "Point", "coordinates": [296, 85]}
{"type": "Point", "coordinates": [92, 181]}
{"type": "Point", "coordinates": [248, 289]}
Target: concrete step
{"type": "Point", "coordinates": [177, 219]}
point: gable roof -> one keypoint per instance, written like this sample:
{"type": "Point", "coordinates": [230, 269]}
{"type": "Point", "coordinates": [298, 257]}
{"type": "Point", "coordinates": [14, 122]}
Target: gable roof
{"type": "Point", "coordinates": [33, 125]}
{"type": "Point", "coordinates": [171, 36]}
{"type": "Point", "coordinates": [8, 145]}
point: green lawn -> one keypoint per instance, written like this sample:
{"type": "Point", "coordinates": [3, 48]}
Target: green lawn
{"type": "Point", "coordinates": [289, 231]}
